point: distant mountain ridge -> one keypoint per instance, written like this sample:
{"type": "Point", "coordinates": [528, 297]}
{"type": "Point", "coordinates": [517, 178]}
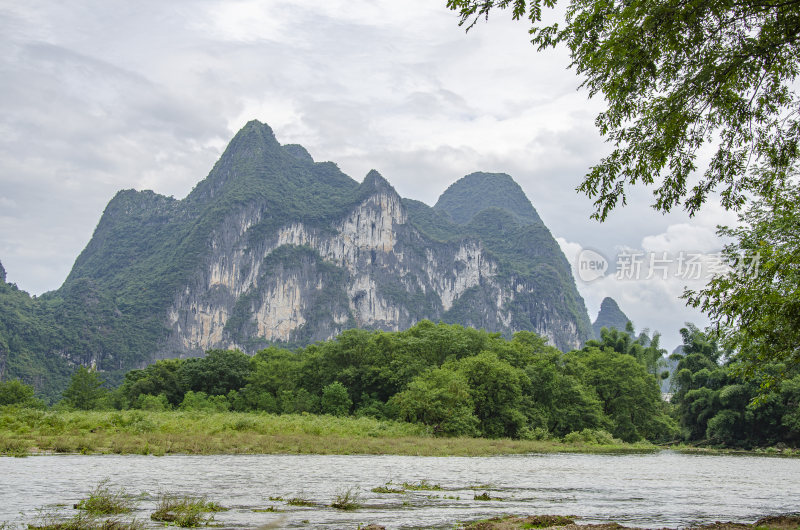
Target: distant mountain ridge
{"type": "Point", "coordinates": [609, 316]}
{"type": "Point", "coordinates": [274, 247]}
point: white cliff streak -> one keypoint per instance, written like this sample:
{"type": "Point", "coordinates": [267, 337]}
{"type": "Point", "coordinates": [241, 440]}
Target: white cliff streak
{"type": "Point", "coordinates": [367, 240]}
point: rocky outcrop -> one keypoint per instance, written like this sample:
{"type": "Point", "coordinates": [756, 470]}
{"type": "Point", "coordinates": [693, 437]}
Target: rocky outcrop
{"type": "Point", "coordinates": [274, 247]}
{"type": "Point", "coordinates": [370, 269]}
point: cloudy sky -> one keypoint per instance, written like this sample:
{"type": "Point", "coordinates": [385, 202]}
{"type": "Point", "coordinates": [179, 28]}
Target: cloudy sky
{"type": "Point", "coordinates": [98, 96]}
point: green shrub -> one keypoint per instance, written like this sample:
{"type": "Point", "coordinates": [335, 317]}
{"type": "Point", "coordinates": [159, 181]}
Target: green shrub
{"type": "Point", "coordinates": [187, 512]}
{"type": "Point", "coordinates": [335, 400]}
{"type": "Point", "coordinates": [157, 403]}
{"type": "Point", "coordinates": [204, 402]}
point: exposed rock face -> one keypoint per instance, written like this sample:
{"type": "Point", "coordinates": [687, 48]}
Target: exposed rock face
{"type": "Point", "coordinates": [380, 266]}
{"type": "Point", "coordinates": [273, 246]}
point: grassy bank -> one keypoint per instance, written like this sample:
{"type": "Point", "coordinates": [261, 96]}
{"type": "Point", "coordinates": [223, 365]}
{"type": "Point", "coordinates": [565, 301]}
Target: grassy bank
{"type": "Point", "coordinates": [26, 431]}
{"type": "Point", "coordinates": [757, 451]}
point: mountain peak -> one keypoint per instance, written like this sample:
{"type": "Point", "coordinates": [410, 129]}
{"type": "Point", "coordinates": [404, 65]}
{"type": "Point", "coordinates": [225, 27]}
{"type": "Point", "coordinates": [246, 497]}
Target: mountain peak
{"type": "Point", "coordinates": [253, 135]}
{"type": "Point", "coordinates": [374, 182]}
{"type": "Point", "coordinates": [477, 191]}
{"type": "Point", "coordinates": [299, 152]}
{"type": "Point", "coordinates": [254, 147]}
{"type": "Point", "coordinates": [610, 316]}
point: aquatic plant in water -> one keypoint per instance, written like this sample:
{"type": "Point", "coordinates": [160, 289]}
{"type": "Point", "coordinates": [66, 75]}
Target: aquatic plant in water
{"type": "Point", "coordinates": [105, 501]}
{"type": "Point", "coordinates": [346, 500]}
{"type": "Point", "coordinates": [186, 512]}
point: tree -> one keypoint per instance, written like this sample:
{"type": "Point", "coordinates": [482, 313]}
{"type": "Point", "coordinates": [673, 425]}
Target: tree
{"type": "Point", "coordinates": [496, 390]}
{"type": "Point", "coordinates": [159, 378]}
{"type": "Point", "coordinates": [629, 396]}
{"type": "Point", "coordinates": [756, 304]}
{"type": "Point", "coordinates": [645, 349]}
{"type": "Point", "coordinates": [335, 400]}
{"type": "Point", "coordinates": [677, 75]}
{"type": "Point", "coordinates": [439, 398]}
{"type": "Point", "coordinates": [216, 374]}
{"type": "Point", "coordinates": [560, 402]}
{"type": "Point", "coordinates": [85, 390]}
{"type": "Point", "coordinates": [15, 392]}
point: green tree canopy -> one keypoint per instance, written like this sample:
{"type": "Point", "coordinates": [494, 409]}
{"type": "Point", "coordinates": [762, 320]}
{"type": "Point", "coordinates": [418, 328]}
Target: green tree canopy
{"type": "Point", "coordinates": [439, 398]}
{"type": "Point", "coordinates": [677, 76]}
{"type": "Point", "coordinates": [335, 400]}
{"type": "Point", "coordinates": [85, 390]}
{"type": "Point", "coordinates": [756, 305]}
{"type": "Point", "coordinates": [15, 392]}
{"type": "Point", "coordinates": [629, 396]}
{"type": "Point", "coordinates": [216, 374]}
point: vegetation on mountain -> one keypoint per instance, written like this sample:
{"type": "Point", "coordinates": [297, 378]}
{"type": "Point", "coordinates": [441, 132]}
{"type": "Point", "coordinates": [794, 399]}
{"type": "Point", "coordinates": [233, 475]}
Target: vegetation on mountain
{"type": "Point", "coordinates": [474, 193]}
{"type": "Point", "coordinates": [522, 246]}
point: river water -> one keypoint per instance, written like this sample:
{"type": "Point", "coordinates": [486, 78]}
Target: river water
{"type": "Point", "coordinates": [665, 489]}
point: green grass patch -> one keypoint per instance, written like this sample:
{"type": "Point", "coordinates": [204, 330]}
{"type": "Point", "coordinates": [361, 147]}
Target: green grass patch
{"type": "Point", "coordinates": [513, 522]}
{"type": "Point", "coordinates": [196, 432]}
{"type": "Point", "coordinates": [106, 501]}
{"type": "Point", "coordinates": [50, 520]}
{"type": "Point", "coordinates": [347, 500]}
{"type": "Point", "coordinates": [185, 511]}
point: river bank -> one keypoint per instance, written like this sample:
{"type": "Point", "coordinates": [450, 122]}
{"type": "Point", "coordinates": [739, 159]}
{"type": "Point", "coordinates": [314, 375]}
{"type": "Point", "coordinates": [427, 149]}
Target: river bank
{"type": "Point", "coordinates": [24, 432]}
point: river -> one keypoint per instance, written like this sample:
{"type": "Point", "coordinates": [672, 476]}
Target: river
{"type": "Point", "coordinates": [664, 489]}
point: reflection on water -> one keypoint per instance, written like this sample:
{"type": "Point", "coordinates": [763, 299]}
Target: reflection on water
{"type": "Point", "coordinates": [658, 490]}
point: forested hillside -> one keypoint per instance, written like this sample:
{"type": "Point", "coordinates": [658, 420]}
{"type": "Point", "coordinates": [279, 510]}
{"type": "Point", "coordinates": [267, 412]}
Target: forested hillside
{"type": "Point", "coordinates": [275, 248]}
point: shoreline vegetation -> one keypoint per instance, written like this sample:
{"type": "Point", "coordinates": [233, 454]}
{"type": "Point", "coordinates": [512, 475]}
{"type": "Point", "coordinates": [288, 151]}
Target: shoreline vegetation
{"type": "Point", "coordinates": [430, 381]}
{"type": "Point", "coordinates": [26, 432]}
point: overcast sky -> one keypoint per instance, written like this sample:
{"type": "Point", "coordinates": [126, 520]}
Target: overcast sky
{"type": "Point", "coordinates": [98, 96]}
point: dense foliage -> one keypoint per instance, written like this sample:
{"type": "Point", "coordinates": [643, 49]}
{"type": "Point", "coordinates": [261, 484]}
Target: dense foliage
{"type": "Point", "coordinates": [27, 333]}
{"type": "Point", "coordinates": [756, 304]}
{"type": "Point", "coordinates": [716, 405]}
{"type": "Point", "coordinates": [677, 76]}
{"type": "Point", "coordinates": [456, 381]}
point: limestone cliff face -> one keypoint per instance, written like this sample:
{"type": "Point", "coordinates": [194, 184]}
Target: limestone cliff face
{"type": "Point", "coordinates": [273, 246]}
{"type": "Point", "coordinates": [369, 268]}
